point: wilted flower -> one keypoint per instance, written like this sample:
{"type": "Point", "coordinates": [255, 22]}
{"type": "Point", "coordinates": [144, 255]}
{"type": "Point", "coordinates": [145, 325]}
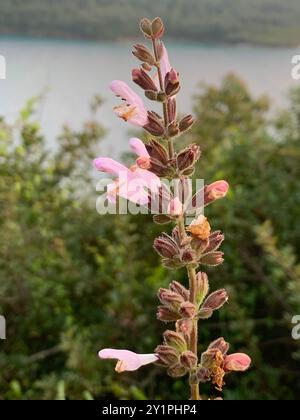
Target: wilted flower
{"type": "Point", "coordinates": [200, 228]}
{"type": "Point", "coordinates": [218, 364]}
{"type": "Point", "coordinates": [127, 360]}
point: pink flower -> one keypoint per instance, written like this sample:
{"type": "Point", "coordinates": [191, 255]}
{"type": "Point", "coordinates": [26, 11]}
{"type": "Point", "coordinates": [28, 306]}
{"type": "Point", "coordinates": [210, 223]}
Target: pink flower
{"type": "Point", "coordinates": [133, 110]}
{"type": "Point", "coordinates": [207, 195]}
{"type": "Point", "coordinates": [237, 362]}
{"type": "Point", "coordinates": [132, 183]}
{"type": "Point", "coordinates": [215, 191]}
{"type": "Point", "coordinates": [175, 207]}
{"type": "Point", "coordinates": [165, 65]}
{"type": "Point", "coordinates": [127, 360]}
{"type": "Point", "coordinates": [138, 147]}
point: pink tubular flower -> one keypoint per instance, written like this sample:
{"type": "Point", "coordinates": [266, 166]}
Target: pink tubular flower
{"type": "Point", "coordinates": [237, 362]}
{"type": "Point", "coordinates": [127, 360]}
{"type": "Point", "coordinates": [175, 207]}
{"type": "Point", "coordinates": [133, 183]}
{"type": "Point", "coordinates": [138, 147]}
{"type": "Point", "coordinates": [133, 110]}
{"type": "Point", "coordinates": [215, 191]}
{"type": "Point", "coordinates": [165, 66]}
{"type": "Point", "coordinates": [165, 63]}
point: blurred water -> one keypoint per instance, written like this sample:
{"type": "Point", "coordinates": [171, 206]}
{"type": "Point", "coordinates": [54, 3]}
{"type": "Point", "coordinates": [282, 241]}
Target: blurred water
{"type": "Point", "coordinates": [72, 72]}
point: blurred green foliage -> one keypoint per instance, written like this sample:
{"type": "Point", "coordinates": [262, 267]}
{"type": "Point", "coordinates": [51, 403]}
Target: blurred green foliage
{"type": "Point", "coordinates": [272, 22]}
{"type": "Point", "coordinates": [72, 282]}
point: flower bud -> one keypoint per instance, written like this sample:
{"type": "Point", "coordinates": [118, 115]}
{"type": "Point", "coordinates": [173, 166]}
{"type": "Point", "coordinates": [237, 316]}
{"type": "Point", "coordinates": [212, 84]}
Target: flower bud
{"type": "Point", "coordinates": [187, 310]}
{"type": "Point", "coordinates": [202, 287]}
{"type": "Point", "coordinates": [177, 287]}
{"type": "Point", "coordinates": [165, 246]}
{"type": "Point", "coordinates": [144, 54]}
{"type": "Point", "coordinates": [175, 340]}
{"type": "Point", "coordinates": [142, 79]}
{"type": "Point", "coordinates": [216, 300]}
{"type": "Point", "coordinates": [157, 152]}
{"type": "Point", "coordinates": [155, 125]}
{"type": "Point", "coordinates": [173, 129]}
{"type": "Point", "coordinates": [177, 371]}
{"type": "Point", "coordinates": [146, 27]}
{"type": "Point", "coordinates": [188, 157]}
{"type": "Point", "coordinates": [215, 191]}
{"type": "Point", "coordinates": [220, 344]}
{"type": "Point", "coordinates": [167, 355]}
{"type": "Point", "coordinates": [189, 360]}
{"type": "Point", "coordinates": [186, 123]}
{"type": "Point", "coordinates": [166, 315]}
{"type": "Point", "coordinates": [170, 299]}
{"type": "Point", "coordinates": [238, 362]}
{"type": "Point", "coordinates": [215, 241]}
{"type": "Point", "coordinates": [157, 28]}
{"type": "Point", "coordinates": [175, 207]}
{"type": "Point", "coordinates": [212, 259]}
{"type": "Point", "coordinates": [172, 84]}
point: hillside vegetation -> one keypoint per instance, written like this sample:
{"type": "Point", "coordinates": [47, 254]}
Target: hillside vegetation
{"type": "Point", "coordinates": [271, 22]}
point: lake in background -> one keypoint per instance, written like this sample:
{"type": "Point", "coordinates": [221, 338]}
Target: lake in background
{"type": "Point", "coordinates": [73, 72]}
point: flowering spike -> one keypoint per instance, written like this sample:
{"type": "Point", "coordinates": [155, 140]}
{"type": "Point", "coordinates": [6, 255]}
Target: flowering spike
{"type": "Point", "coordinates": [187, 246]}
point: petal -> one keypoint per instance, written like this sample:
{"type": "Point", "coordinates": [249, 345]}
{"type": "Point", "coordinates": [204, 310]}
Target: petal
{"type": "Point", "coordinates": [129, 360]}
{"type": "Point", "coordinates": [110, 166]}
{"type": "Point", "coordinates": [237, 362]}
{"type": "Point", "coordinates": [121, 89]}
{"type": "Point", "coordinates": [217, 189]}
{"type": "Point", "coordinates": [175, 207]}
{"type": "Point", "coordinates": [148, 179]}
{"type": "Point", "coordinates": [138, 147]}
{"type": "Point", "coordinates": [140, 118]}
{"type": "Point", "coordinates": [165, 63]}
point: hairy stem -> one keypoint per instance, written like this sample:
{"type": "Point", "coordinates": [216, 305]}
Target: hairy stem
{"type": "Point", "coordinates": [193, 345]}
{"type": "Point", "coordinates": [194, 333]}
{"type": "Point", "coordinates": [165, 103]}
